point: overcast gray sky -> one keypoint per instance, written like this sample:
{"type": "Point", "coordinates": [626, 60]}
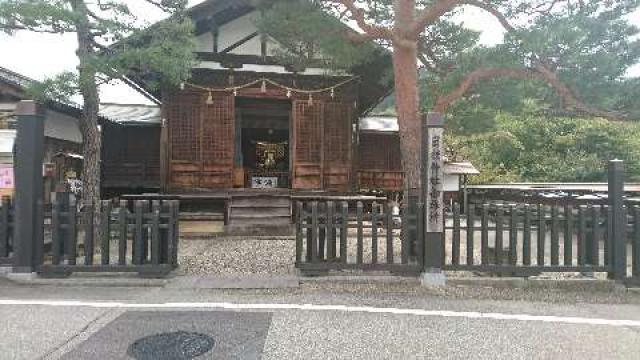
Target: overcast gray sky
{"type": "Point", "coordinates": [41, 55]}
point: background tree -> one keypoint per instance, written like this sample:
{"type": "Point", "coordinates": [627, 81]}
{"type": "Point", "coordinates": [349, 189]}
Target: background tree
{"type": "Point", "coordinates": [568, 45]}
{"type": "Point", "coordinates": [167, 50]}
{"type": "Point", "coordinates": [535, 147]}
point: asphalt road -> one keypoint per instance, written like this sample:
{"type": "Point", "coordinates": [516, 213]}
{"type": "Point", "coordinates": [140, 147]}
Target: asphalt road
{"type": "Point", "coordinates": [317, 321]}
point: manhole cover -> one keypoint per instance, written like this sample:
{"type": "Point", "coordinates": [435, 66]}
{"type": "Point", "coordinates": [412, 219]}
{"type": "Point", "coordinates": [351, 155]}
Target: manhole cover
{"type": "Point", "coordinates": [180, 345]}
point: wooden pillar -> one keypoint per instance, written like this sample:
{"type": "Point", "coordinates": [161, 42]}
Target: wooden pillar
{"type": "Point", "coordinates": [618, 237]}
{"type": "Point", "coordinates": [28, 187]}
{"type": "Point", "coordinates": [164, 155]}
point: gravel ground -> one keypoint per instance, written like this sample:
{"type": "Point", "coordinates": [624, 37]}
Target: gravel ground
{"type": "Point", "coordinates": [238, 256]}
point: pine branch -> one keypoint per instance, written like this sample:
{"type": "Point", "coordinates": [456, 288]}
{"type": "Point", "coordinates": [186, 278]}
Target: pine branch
{"type": "Point", "coordinates": [168, 8]}
{"type": "Point", "coordinates": [538, 71]}
{"type": "Point", "coordinates": [40, 17]}
{"type": "Point", "coordinates": [371, 32]}
{"type": "Point", "coordinates": [433, 13]}
{"type": "Point", "coordinates": [10, 28]}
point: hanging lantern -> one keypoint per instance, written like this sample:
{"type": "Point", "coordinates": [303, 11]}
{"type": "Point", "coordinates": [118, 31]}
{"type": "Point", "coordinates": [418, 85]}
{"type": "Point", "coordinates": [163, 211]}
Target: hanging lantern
{"type": "Point", "coordinates": [235, 91]}
{"type": "Point", "coordinates": [310, 102]}
{"type": "Point", "coordinates": [210, 99]}
{"type": "Point", "coordinates": [181, 86]}
{"type": "Point", "coordinates": [263, 88]}
{"type": "Point", "coordinates": [289, 93]}
{"type": "Point", "coordinates": [333, 93]}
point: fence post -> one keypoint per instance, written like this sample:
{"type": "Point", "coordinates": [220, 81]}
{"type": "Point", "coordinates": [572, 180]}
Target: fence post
{"type": "Point", "coordinates": [618, 239]}
{"type": "Point", "coordinates": [29, 185]}
{"type": "Point", "coordinates": [433, 125]}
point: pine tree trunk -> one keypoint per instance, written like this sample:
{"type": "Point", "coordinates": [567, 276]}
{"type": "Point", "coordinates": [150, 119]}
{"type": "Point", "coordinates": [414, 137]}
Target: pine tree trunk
{"type": "Point", "coordinates": [89, 122]}
{"type": "Point", "coordinates": [406, 90]}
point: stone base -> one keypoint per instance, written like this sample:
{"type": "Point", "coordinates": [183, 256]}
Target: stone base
{"type": "Point", "coordinates": [22, 277]}
{"type": "Point", "coordinates": [433, 279]}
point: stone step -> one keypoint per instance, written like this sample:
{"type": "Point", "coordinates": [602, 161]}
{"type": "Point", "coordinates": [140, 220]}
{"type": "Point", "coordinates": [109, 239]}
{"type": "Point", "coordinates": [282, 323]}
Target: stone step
{"type": "Point", "coordinates": [256, 201]}
{"type": "Point", "coordinates": [201, 216]}
{"type": "Point", "coordinates": [260, 204]}
{"type": "Point", "coordinates": [259, 211]}
{"type": "Point", "coordinates": [261, 229]}
{"type": "Point", "coordinates": [256, 221]}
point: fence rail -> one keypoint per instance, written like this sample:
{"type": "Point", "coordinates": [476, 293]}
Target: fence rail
{"type": "Point", "coordinates": [345, 236]}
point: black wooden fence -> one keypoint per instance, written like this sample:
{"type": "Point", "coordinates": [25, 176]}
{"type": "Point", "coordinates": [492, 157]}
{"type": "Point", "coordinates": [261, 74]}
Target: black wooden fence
{"type": "Point", "coordinates": [138, 236]}
{"type": "Point", "coordinates": [507, 239]}
{"type": "Point", "coordinates": [6, 232]}
{"type": "Point", "coordinates": [353, 235]}
{"type": "Point", "coordinates": [527, 239]}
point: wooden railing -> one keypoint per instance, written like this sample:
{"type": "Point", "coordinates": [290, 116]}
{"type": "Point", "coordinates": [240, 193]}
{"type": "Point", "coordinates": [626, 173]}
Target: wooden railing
{"type": "Point", "coordinates": [528, 239]}
{"type": "Point", "coordinates": [338, 235]}
{"type": "Point", "coordinates": [138, 236]}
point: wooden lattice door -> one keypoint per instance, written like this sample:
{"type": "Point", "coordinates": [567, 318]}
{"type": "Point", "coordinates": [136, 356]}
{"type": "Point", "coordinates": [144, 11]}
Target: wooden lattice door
{"type": "Point", "coordinates": [183, 118]}
{"type": "Point", "coordinates": [322, 145]}
{"type": "Point", "coordinates": [201, 142]}
{"type": "Point", "coordinates": [307, 151]}
{"type": "Point", "coordinates": [218, 142]}
{"type": "Point", "coordinates": [337, 167]}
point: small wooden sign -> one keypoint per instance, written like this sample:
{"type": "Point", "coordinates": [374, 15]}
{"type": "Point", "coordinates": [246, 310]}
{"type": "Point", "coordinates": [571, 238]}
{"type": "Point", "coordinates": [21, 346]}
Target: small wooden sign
{"type": "Point", "coordinates": [264, 182]}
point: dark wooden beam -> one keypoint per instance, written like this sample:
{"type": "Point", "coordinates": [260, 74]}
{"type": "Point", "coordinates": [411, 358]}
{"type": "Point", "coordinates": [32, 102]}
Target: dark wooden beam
{"type": "Point", "coordinates": [263, 45]}
{"type": "Point", "coordinates": [239, 43]}
{"type": "Point", "coordinates": [239, 60]}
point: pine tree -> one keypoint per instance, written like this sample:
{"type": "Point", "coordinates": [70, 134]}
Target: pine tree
{"type": "Point", "coordinates": [108, 49]}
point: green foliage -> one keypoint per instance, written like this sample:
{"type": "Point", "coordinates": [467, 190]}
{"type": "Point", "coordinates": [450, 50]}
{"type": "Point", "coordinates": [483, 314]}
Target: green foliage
{"type": "Point", "coordinates": [527, 147]}
{"type": "Point", "coordinates": [308, 36]}
{"type": "Point", "coordinates": [122, 42]}
{"type": "Point", "coordinates": [59, 88]}
{"type": "Point", "coordinates": [52, 16]}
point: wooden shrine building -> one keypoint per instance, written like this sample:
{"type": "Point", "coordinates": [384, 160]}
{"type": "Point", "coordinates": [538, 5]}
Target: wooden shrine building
{"type": "Point", "coordinates": [245, 120]}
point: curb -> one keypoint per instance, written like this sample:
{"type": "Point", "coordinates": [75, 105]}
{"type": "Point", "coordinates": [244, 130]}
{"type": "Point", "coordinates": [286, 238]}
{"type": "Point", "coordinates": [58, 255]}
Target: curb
{"type": "Point", "coordinates": [84, 281]}
{"type": "Point", "coordinates": [229, 282]}
{"type": "Point", "coordinates": [546, 284]}
{"type": "Point", "coordinates": [360, 279]}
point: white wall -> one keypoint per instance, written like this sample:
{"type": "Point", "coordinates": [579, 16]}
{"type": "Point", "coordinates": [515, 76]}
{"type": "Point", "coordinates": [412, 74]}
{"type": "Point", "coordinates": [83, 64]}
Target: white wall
{"type": "Point", "coordinates": [238, 29]}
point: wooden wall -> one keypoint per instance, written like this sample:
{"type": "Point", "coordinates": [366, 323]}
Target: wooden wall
{"type": "Point", "coordinates": [201, 137]}
{"type": "Point", "coordinates": [131, 156]}
{"type": "Point", "coordinates": [202, 144]}
{"type": "Point", "coordinates": [380, 162]}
